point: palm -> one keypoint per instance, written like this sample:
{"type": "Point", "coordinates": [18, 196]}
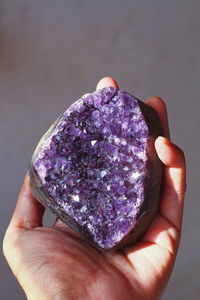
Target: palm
{"type": "Point", "coordinates": [57, 261]}
{"type": "Point", "coordinates": [81, 269]}
{"type": "Point", "coordinates": [58, 252]}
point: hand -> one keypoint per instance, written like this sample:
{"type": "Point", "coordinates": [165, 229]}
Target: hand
{"type": "Point", "coordinates": [56, 263]}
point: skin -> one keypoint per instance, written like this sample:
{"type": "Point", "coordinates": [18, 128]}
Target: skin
{"type": "Point", "coordinates": [56, 263]}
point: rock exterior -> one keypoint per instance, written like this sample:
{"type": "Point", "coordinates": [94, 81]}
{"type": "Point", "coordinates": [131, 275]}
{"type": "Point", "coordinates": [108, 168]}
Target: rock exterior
{"type": "Point", "coordinates": [97, 168]}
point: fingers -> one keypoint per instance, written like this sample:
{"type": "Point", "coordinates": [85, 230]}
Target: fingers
{"type": "Point", "coordinates": [165, 228]}
{"type": "Point", "coordinates": [174, 181]}
{"type": "Point", "coordinates": [28, 212]}
{"type": "Point", "coordinates": [107, 81]}
{"type": "Point", "coordinates": [159, 106]}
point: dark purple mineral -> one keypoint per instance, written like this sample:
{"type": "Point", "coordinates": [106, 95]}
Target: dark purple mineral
{"type": "Point", "coordinates": [97, 168]}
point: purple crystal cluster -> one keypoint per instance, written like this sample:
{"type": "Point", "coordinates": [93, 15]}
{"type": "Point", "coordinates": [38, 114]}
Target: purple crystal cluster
{"type": "Point", "coordinates": [93, 163]}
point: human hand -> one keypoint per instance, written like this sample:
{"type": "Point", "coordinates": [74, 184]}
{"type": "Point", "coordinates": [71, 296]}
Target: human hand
{"type": "Point", "coordinates": [56, 263]}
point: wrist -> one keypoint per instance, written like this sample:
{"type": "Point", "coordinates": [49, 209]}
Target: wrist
{"type": "Point", "coordinates": [48, 297]}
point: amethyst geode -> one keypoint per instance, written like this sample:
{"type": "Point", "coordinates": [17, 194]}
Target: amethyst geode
{"type": "Point", "coordinates": [97, 169]}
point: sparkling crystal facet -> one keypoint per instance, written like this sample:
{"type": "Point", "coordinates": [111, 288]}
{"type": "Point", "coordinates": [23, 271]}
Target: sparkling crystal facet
{"type": "Point", "coordinates": [97, 168]}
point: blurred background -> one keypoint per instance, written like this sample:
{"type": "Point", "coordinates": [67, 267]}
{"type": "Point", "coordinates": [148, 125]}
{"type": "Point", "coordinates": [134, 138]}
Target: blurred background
{"type": "Point", "coordinates": [52, 52]}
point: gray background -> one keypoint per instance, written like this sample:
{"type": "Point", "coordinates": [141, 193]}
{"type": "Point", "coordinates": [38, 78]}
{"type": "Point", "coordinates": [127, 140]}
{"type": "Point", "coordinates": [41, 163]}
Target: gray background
{"type": "Point", "coordinates": [52, 52]}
